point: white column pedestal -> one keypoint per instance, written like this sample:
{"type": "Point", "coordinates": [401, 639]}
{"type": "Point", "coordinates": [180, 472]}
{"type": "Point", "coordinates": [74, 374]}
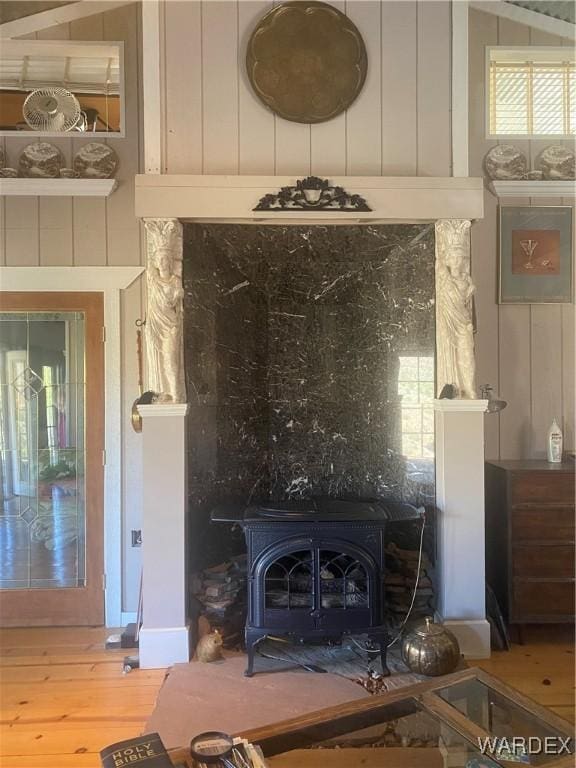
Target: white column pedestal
{"type": "Point", "coordinates": [460, 501]}
{"type": "Point", "coordinates": [164, 637]}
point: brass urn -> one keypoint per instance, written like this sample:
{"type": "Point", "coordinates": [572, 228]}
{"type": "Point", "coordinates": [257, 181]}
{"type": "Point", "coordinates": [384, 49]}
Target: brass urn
{"type": "Point", "coordinates": [430, 649]}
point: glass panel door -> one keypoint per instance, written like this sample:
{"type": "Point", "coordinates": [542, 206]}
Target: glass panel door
{"type": "Point", "coordinates": [42, 458]}
{"type": "Point", "coordinates": [51, 443]}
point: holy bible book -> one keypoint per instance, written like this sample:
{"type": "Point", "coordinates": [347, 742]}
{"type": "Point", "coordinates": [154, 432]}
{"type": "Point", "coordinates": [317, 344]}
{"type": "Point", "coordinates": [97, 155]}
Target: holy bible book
{"type": "Point", "coordinates": [142, 752]}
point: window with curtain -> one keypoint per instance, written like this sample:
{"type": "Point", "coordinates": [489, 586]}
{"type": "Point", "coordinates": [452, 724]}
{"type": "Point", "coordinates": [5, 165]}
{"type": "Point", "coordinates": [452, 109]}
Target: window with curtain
{"type": "Point", "coordinates": [531, 92]}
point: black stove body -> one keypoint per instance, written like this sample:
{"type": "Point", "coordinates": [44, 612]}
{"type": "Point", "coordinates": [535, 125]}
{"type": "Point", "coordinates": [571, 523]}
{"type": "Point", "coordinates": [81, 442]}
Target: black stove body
{"type": "Point", "coordinates": [315, 568]}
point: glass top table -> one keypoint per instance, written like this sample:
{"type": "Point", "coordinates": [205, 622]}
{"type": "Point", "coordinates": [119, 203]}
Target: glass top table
{"type": "Point", "coordinates": [465, 720]}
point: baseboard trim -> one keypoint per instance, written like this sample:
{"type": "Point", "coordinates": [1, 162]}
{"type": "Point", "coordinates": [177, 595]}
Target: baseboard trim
{"type": "Point", "coordinates": [163, 646]}
{"type": "Point", "coordinates": [473, 636]}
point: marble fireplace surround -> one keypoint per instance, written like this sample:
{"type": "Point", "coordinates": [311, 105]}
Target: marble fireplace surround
{"type": "Point", "coordinates": [164, 202]}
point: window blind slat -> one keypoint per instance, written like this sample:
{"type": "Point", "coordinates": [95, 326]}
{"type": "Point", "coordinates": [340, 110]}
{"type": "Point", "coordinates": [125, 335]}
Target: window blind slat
{"type": "Point", "coordinates": [531, 98]}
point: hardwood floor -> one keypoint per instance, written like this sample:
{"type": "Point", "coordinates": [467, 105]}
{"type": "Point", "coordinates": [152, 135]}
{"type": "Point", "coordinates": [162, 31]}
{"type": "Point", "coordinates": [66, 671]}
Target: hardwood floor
{"type": "Point", "coordinates": [63, 696]}
{"type": "Point", "coordinates": [542, 668]}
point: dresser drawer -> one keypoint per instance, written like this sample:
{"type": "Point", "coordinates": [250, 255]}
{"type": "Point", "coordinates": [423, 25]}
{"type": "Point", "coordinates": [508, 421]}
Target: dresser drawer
{"type": "Point", "coordinates": [545, 562]}
{"type": "Point", "coordinates": [546, 487]}
{"type": "Point", "coordinates": [543, 523]}
{"type": "Point", "coordinates": [546, 599]}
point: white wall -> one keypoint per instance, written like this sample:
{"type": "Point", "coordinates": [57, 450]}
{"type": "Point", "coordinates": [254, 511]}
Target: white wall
{"type": "Point", "coordinates": [527, 351]}
{"type": "Point", "coordinates": [84, 231]}
{"type": "Point", "coordinates": [399, 125]}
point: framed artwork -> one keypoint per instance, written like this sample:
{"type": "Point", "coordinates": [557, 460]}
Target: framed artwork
{"type": "Point", "coordinates": [535, 255]}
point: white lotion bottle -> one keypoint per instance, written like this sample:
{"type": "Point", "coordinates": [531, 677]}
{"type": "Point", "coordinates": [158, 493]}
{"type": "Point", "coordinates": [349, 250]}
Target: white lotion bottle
{"type": "Point", "coordinates": [554, 443]}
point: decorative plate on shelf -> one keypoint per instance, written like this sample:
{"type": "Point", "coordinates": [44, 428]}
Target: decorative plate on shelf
{"type": "Point", "coordinates": [556, 163]}
{"type": "Point", "coordinates": [505, 162]}
{"type": "Point", "coordinates": [96, 161]}
{"type": "Point", "coordinates": [306, 61]}
{"type": "Point", "coordinates": [40, 161]}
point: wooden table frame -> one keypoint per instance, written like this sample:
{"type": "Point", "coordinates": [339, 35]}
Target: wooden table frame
{"type": "Point", "coordinates": [301, 732]}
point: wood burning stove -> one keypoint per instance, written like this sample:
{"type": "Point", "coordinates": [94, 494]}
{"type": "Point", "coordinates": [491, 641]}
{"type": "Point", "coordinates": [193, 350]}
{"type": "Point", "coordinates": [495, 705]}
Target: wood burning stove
{"type": "Point", "coordinates": [315, 568]}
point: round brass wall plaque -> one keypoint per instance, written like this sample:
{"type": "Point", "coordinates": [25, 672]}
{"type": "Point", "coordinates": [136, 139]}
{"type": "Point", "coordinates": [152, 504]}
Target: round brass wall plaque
{"type": "Point", "coordinates": [306, 61]}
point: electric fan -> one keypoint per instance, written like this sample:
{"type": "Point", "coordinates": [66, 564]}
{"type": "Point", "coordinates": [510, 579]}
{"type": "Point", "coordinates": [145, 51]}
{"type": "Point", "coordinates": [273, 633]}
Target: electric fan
{"type": "Point", "coordinates": [51, 109]}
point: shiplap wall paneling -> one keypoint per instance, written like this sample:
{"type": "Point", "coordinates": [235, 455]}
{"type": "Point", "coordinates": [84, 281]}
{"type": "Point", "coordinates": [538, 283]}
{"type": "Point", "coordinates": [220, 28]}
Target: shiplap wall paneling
{"type": "Point", "coordinates": [515, 438]}
{"type": "Point", "coordinates": [515, 376]}
{"type": "Point", "coordinates": [124, 247]}
{"type": "Point", "coordinates": [364, 119]}
{"type": "Point", "coordinates": [56, 234]}
{"type": "Point", "coordinates": [546, 364]}
{"type": "Point", "coordinates": [328, 140]}
{"type": "Point", "coordinates": [183, 75]}
{"type": "Point", "coordinates": [256, 128]}
{"type": "Point", "coordinates": [22, 233]}
{"type": "Point", "coordinates": [486, 340]}
{"type": "Point", "coordinates": [88, 213]}
{"type": "Point", "coordinates": [56, 242]}
{"type": "Point", "coordinates": [398, 96]}
{"type": "Point", "coordinates": [434, 85]}
{"type": "Point", "coordinates": [568, 345]}
{"type": "Point", "coordinates": [122, 227]}
{"type": "Point", "coordinates": [3, 214]}
{"type": "Point", "coordinates": [520, 348]}
{"type": "Point", "coordinates": [89, 232]}
{"type": "Point", "coordinates": [220, 87]}
{"type": "Point", "coordinates": [131, 310]}
{"type": "Point", "coordinates": [483, 30]}
{"type": "Point", "coordinates": [2, 225]}
{"type": "Point", "coordinates": [400, 123]}
{"type": "Point", "coordinates": [568, 336]}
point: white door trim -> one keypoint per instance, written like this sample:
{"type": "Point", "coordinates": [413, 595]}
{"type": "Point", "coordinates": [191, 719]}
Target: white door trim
{"type": "Point", "coordinates": [109, 281]}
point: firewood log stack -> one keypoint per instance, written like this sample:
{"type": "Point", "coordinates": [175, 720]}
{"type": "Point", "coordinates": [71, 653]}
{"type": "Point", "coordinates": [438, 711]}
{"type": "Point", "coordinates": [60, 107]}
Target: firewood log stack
{"type": "Point", "coordinates": [221, 593]}
{"type": "Point", "coordinates": [400, 580]}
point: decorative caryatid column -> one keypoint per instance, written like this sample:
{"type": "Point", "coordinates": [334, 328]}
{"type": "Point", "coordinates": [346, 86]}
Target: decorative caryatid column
{"type": "Point", "coordinates": [165, 633]}
{"type": "Point", "coordinates": [455, 363]}
{"type": "Point", "coordinates": [459, 447]}
{"type": "Point", "coordinates": [165, 314]}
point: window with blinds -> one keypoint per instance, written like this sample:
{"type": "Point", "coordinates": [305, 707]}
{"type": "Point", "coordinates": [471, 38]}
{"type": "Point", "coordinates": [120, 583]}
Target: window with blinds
{"type": "Point", "coordinates": [532, 92]}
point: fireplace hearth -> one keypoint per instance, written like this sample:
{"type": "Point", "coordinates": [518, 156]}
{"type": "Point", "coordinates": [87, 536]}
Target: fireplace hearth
{"type": "Point", "coordinates": [316, 568]}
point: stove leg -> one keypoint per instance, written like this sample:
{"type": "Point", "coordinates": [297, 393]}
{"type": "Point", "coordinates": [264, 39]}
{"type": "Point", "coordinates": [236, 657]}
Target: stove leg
{"type": "Point", "coordinates": [382, 640]}
{"type": "Point", "coordinates": [249, 671]}
{"type": "Point", "coordinates": [252, 638]}
{"type": "Point", "coordinates": [383, 654]}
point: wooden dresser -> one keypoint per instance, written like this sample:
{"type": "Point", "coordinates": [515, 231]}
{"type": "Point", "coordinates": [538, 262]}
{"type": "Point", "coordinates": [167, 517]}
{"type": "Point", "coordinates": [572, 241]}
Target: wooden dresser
{"type": "Point", "coordinates": [530, 539]}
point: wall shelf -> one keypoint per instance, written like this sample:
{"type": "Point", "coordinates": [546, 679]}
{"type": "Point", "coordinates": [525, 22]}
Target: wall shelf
{"type": "Point", "coordinates": [527, 188]}
{"type": "Point", "coordinates": [58, 187]}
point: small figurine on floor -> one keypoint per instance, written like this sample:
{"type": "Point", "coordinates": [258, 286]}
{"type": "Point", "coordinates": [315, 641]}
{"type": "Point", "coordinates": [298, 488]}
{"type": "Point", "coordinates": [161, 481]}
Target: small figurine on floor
{"type": "Point", "coordinates": [209, 647]}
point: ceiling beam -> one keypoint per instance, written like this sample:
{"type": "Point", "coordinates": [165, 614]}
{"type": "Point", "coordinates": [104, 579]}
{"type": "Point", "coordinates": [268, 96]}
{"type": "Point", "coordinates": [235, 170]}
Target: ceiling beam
{"type": "Point", "coordinates": [60, 15]}
{"type": "Point", "coordinates": [524, 16]}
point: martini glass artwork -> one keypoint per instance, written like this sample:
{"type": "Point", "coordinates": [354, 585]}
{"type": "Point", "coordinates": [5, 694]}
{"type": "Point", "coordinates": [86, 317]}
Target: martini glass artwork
{"type": "Point", "coordinates": [529, 246]}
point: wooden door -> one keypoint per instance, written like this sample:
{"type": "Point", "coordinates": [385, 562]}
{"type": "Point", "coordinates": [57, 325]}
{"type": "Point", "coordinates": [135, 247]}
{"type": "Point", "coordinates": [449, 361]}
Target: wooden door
{"type": "Point", "coordinates": [51, 459]}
